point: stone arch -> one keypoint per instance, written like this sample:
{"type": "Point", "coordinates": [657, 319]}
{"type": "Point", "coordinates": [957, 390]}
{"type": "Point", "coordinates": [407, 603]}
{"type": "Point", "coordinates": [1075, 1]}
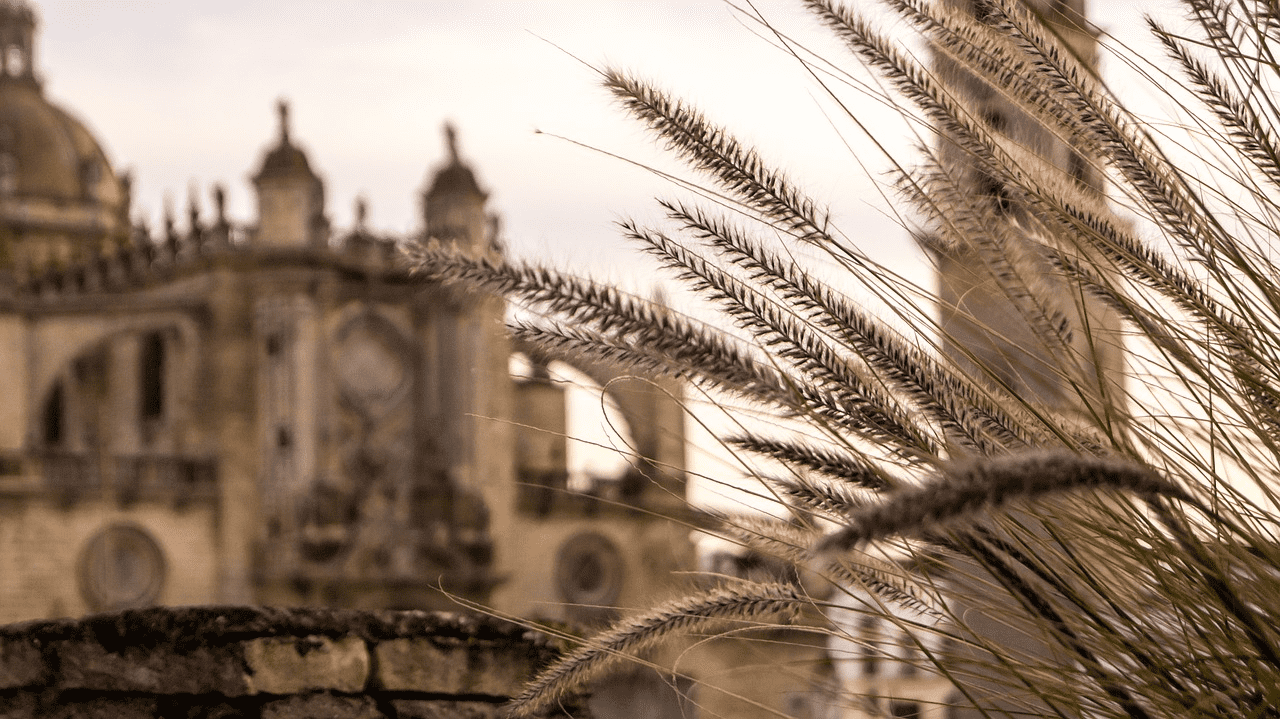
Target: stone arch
{"type": "Point", "coordinates": [615, 454]}
{"type": "Point", "coordinates": [653, 410]}
{"type": "Point", "coordinates": [71, 353]}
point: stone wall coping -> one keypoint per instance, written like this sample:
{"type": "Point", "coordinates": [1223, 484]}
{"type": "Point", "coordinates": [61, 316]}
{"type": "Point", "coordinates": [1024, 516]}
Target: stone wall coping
{"type": "Point", "coordinates": [184, 628]}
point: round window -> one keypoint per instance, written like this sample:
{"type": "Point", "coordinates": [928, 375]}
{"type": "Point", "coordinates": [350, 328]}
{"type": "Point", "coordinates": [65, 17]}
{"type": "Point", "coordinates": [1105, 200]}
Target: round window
{"type": "Point", "coordinates": [589, 570]}
{"type": "Point", "coordinates": [121, 567]}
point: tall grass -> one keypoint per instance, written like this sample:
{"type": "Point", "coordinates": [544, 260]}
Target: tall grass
{"type": "Point", "coordinates": [999, 457]}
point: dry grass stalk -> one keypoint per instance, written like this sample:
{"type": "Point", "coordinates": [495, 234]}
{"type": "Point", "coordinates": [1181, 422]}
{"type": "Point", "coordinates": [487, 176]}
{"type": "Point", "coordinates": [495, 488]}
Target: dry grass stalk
{"type": "Point", "coordinates": [1127, 524]}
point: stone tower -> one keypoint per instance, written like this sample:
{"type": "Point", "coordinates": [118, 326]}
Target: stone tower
{"type": "Point", "coordinates": [991, 337]}
{"type": "Point", "coordinates": [979, 319]}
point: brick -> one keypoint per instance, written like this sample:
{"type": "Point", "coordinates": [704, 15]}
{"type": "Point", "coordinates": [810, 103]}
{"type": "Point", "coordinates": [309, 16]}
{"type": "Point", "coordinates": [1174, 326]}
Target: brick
{"type": "Point", "coordinates": [423, 666]}
{"type": "Point", "coordinates": [500, 672]}
{"type": "Point", "coordinates": [322, 706]}
{"type": "Point", "coordinates": [428, 709]}
{"type": "Point", "coordinates": [294, 665]}
{"type": "Point", "coordinates": [21, 664]}
{"type": "Point", "coordinates": [419, 665]}
{"type": "Point", "coordinates": [155, 670]}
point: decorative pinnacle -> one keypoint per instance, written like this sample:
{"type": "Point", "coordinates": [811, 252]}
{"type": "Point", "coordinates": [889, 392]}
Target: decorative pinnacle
{"type": "Point", "coordinates": [282, 107]}
{"type": "Point", "coordinates": [193, 208]}
{"type": "Point", "coordinates": [362, 212]}
{"type": "Point", "coordinates": [451, 139]}
{"type": "Point", "coordinates": [220, 203]}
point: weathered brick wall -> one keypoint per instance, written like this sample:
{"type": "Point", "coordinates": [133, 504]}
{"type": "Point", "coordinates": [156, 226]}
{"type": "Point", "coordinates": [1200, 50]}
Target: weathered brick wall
{"type": "Point", "coordinates": [265, 663]}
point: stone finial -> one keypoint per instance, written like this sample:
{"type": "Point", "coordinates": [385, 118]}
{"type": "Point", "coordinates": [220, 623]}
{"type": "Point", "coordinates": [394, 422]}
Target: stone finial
{"type": "Point", "coordinates": [220, 204]}
{"type": "Point", "coordinates": [495, 233]}
{"type": "Point", "coordinates": [18, 22]}
{"type": "Point", "coordinates": [170, 238]}
{"type": "Point", "coordinates": [659, 294]}
{"type": "Point", "coordinates": [220, 234]}
{"type": "Point", "coordinates": [362, 213]}
{"type": "Point", "coordinates": [126, 186]}
{"type": "Point", "coordinates": [282, 107]}
{"type": "Point", "coordinates": [451, 141]}
{"type": "Point", "coordinates": [193, 210]}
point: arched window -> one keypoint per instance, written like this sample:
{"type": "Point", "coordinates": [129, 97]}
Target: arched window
{"type": "Point", "coordinates": [1080, 169]}
{"type": "Point", "coordinates": [905, 710]}
{"type": "Point", "coordinates": [151, 376]}
{"type": "Point", "coordinates": [909, 655]}
{"type": "Point", "coordinates": [995, 118]}
{"type": "Point", "coordinates": [954, 706]}
{"type": "Point", "coordinates": [990, 187]}
{"type": "Point", "coordinates": [53, 419]}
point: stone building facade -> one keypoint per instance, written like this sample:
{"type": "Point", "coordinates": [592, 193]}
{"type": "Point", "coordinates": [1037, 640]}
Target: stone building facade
{"type": "Point", "coordinates": [279, 413]}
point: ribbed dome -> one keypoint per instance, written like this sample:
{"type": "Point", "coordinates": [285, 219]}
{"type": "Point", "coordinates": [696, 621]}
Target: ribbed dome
{"type": "Point", "coordinates": [53, 155]}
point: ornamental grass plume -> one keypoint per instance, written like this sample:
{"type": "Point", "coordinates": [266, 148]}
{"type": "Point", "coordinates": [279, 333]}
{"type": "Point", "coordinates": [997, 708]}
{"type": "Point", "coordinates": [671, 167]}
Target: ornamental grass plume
{"type": "Point", "coordinates": [1118, 511]}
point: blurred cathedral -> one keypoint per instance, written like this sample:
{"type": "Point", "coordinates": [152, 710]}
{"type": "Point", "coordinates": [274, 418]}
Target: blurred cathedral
{"type": "Point", "coordinates": [281, 413]}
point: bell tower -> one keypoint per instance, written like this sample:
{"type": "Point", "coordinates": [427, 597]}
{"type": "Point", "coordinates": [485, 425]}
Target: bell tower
{"type": "Point", "coordinates": [984, 320]}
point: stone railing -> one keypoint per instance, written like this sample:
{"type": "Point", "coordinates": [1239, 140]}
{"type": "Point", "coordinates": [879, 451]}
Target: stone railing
{"type": "Point", "coordinates": [129, 478]}
{"type": "Point", "coordinates": [266, 663]}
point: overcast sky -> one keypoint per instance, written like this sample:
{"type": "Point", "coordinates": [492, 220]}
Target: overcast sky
{"type": "Point", "coordinates": [184, 93]}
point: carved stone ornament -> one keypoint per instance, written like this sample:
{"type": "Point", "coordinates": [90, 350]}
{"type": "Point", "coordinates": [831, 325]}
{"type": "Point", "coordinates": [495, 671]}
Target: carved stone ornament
{"type": "Point", "coordinates": [371, 364]}
{"type": "Point", "coordinates": [121, 567]}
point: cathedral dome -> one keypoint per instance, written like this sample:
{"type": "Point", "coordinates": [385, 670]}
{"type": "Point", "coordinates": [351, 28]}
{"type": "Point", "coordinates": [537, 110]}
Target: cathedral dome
{"type": "Point", "coordinates": [46, 154]}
